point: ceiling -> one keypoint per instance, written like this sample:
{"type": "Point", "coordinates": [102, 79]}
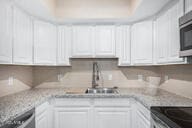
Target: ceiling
{"type": "Point", "coordinates": [74, 10]}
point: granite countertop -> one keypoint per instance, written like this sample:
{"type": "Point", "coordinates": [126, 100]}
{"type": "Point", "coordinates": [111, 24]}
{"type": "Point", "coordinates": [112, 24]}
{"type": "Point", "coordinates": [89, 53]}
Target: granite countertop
{"type": "Point", "coordinates": [15, 105]}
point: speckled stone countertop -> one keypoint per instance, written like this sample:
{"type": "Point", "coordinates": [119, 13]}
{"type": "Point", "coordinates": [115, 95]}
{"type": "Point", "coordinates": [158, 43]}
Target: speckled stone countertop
{"type": "Point", "coordinates": [15, 105]}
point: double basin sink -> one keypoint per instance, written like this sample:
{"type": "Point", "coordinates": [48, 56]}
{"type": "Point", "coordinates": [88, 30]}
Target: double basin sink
{"type": "Point", "coordinates": [101, 91]}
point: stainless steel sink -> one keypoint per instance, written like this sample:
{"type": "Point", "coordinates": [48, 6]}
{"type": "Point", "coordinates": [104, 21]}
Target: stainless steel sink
{"type": "Point", "coordinates": [101, 91]}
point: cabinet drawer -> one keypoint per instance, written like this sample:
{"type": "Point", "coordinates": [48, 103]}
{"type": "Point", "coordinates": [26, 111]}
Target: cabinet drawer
{"type": "Point", "coordinates": [112, 102]}
{"type": "Point", "coordinates": [72, 102]}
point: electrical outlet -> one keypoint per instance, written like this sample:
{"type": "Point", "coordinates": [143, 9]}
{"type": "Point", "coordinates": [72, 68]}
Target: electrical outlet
{"type": "Point", "coordinates": [59, 77]}
{"type": "Point", "coordinates": [10, 80]}
{"type": "Point", "coordinates": [110, 77]}
{"type": "Point", "coordinates": [140, 77]}
{"type": "Point", "coordinates": [166, 78]}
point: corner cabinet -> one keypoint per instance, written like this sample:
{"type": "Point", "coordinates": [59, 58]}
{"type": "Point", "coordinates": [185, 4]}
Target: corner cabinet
{"type": "Point", "coordinates": [45, 43]}
{"type": "Point", "coordinates": [6, 32]}
{"type": "Point", "coordinates": [167, 44]}
{"type": "Point", "coordinates": [105, 41]}
{"type": "Point", "coordinates": [64, 45]}
{"type": "Point", "coordinates": [142, 43]}
{"type": "Point", "coordinates": [22, 37]}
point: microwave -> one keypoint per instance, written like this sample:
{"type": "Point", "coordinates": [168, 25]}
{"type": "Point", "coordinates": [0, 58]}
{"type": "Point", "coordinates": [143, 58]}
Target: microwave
{"type": "Point", "coordinates": [185, 24]}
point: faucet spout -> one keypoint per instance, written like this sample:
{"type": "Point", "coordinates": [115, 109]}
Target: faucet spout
{"type": "Point", "coordinates": [95, 75]}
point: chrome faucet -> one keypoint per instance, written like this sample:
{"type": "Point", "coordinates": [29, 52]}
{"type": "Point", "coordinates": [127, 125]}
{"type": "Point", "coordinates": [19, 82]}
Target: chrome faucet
{"type": "Point", "coordinates": [95, 76]}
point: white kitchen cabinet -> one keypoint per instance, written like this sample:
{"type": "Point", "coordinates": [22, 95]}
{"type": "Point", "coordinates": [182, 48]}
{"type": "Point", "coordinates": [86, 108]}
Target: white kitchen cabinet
{"type": "Point", "coordinates": [43, 116]}
{"type": "Point", "coordinates": [188, 5]}
{"type": "Point", "coordinates": [72, 113]}
{"type": "Point", "coordinates": [140, 116]}
{"type": "Point", "coordinates": [5, 32]}
{"type": "Point", "coordinates": [112, 117]}
{"type": "Point", "coordinates": [22, 38]}
{"type": "Point", "coordinates": [142, 43]}
{"type": "Point", "coordinates": [123, 45]}
{"type": "Point", "coordinates": [167, 44]}
{"type": "Point", "coordinates": [83, 41]}
{"type": "Point", "coordinates": [74, 117]}
{"type": "Point", "coordinates": [45, 42]}
{"type": "Point", "coordinates": [64, 45]}
{"type": "Point", "coordinates": [105, 41]}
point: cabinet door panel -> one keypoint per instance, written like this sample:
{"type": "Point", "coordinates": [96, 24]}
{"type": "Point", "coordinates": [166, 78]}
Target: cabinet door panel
{"type": "Point", "coordinates": [112, 118]}
{"type": "Point", "coordinates": [83, 41]}
{"type": "Point", "coordinates": [174, 46]}
{"type": "Point", "coordinates": [72, 117]}
{"type": "Point", "coordinates": [45, 42]}
{"type": "Point", "coordinates": [64, 45]}
{"type": "Point", "coordinates": [23, 38]}
{"type": "Point", "coordinates": [105, 41]}
{"type": "Point", "coordinates": [5, 32]}
{"type": "Point", "coordinates": [123, 45]}
{"type": "Point", "coordinates": [188, 5]}
{"type": "Point", "coordinates": [142, 43]}
{"type": "Point", "coordinates": [162, 39]}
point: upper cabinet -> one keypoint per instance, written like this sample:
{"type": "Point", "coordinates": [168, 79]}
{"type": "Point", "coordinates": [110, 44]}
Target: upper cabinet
{"type": "Point", "coordinates": [167, 44]}
{"type": "Point", "coordinates": [64, 45]}
{"type": "Point", "coordinates": [5, 32]}
{"type": "Point", "coordinates": [142, 43]}
{"type": "Point", "coordinates": [105, 41]}
{"type": "Point", "coordinates": [22, 38]}
{"type": "Point", "coordinates": [45, 43]}
{"type": "Point", "coordinates": [83, 41]}
{"type": "Point", "coordinates": [123, 44]}
{"type": "Point", "coordinates": [93, 41]}
{"type": "Point", "coordinates": [188, 5]}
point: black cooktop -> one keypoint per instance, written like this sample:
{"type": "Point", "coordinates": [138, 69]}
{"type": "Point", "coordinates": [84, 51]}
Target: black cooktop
{"type": "Point", "coordinates": [174, 117]}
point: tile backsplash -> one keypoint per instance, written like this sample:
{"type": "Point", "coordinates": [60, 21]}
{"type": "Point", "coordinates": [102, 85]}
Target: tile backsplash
{"type": "Point", "coordinates": [79, 75]}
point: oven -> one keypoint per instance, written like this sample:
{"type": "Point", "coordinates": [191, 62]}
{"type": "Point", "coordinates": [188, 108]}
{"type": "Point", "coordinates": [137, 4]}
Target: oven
{"type": "Point", "coordinates": [185, 23]}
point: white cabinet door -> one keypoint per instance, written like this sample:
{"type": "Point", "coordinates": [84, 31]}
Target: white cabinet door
{"type": "Point", "coordinates": [45, 42]}
{"type": "Point", "coordinates": [64, 45]}
{"type": "Point", "coordinates": [22, 38]}
{"type": "Point", "coordinates": [72, 117]}
{"type": "Point", "coordinates": [167, 36]}
{"type": "Point", "coordinates": [5, 32]}
{"type": "Point", "coordinates": [140, 116]}
{"type": "Point", "coordinates": [112, 117]}
{"type": "Point", "coordinates": [42, 116]}
{"type": "Point", "coordinates": [162, 38]}
{"type": "Point", "coordinates": [105, 41]}
{"type": "Point", "coordinates": [188, 5]}
{"type": "Point", "coordinates": [83, 41]}
{"type": "Point", "coordinates": [123, 44]}
{"type": "Point", "coordinates": [142, 43]}
{"type": "Point", "coordinates": [174, 46]}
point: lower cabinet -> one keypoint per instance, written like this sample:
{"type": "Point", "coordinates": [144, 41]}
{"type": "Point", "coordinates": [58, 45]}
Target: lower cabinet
{"type": "Point", "coordinates": [42, 116]}
{"type": "Point", "coordinates": [112, 117]}
{"type": "Point", "coordinates": [73, 117]}
{"type": "Point", "coordinates": [92, 113]}
{"type": "Point", "coordinates": [140, 116]}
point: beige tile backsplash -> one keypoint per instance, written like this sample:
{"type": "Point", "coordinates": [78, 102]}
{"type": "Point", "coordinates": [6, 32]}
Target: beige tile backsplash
{"type": "Point", "coordinates": [22, 79]}
{"type": "Point", "coordinates": [79, 75]}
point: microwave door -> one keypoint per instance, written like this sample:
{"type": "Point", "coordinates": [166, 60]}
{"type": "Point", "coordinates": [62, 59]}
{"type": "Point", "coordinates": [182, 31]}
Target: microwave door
{"type": "Point", "coordinates": [186, 40]}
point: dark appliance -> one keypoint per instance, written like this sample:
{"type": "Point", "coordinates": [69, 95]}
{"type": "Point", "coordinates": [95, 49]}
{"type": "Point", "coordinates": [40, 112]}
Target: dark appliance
{"type": "Point", "coordinates": [27, 120]}
{"type": "Point", "coordinates": [171, 117]}
{"type": "Point", "coordinates": [185, 23]}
